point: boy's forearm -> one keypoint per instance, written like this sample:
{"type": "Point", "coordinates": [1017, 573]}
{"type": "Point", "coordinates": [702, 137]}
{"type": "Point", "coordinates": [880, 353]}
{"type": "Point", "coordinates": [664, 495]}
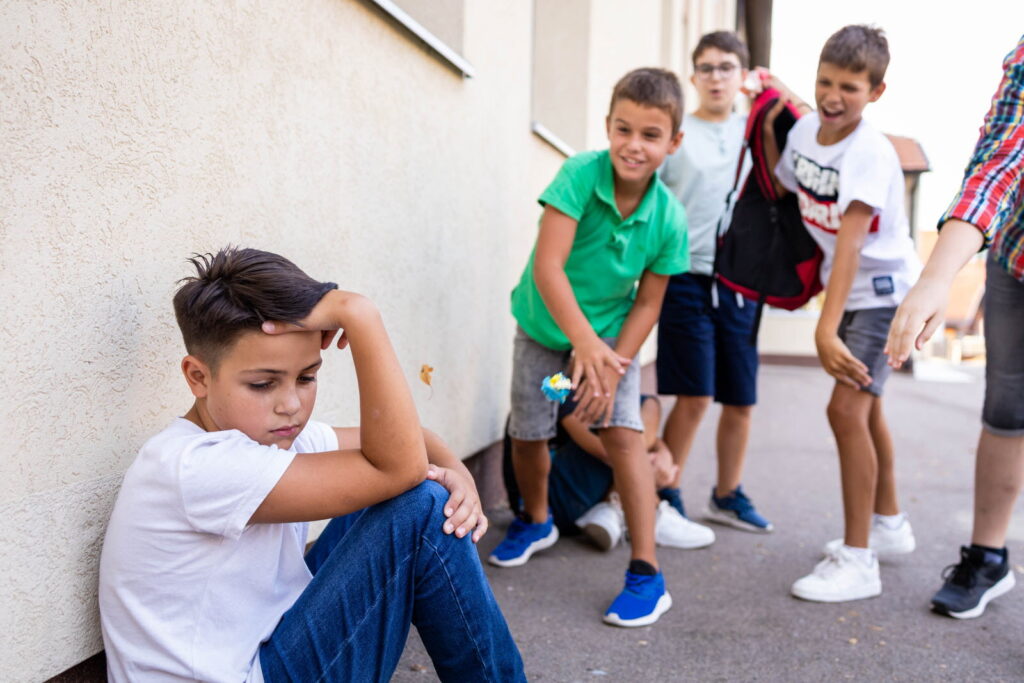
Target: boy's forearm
{"type": "Point", "coordinates": [840, 282]}
{"type": "Point", "coordinates": [958, 241]}
{"type": "Point", "coordinates": [555, 290]}
{"type": "Point", "coordinates": [438, 453]}
{"type": "Point", "coordinates": [643, 315]}
{"type": "Point", "coordinates": [390, 435]}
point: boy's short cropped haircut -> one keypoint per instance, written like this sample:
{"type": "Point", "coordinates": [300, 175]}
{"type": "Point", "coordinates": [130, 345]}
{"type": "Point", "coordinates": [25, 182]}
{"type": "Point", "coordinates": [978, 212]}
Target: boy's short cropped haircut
{"type": "Point", "coordinates": [652, 87]}
{"type": "Point", "coordinates": [726, 41]}
{"type": "Point", "coordinates": [858, 48]}
{"type": "Point", "coordinates": [236, 290]}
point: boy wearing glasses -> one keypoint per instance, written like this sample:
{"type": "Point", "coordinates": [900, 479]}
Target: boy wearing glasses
{"type": "Point", "coordinates": [704, 348]}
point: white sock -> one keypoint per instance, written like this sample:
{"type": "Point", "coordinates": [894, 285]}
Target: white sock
{"type": "Point", "coordinates": [865, 556]}
{"type": "Point", "coordinates": [890, 522]}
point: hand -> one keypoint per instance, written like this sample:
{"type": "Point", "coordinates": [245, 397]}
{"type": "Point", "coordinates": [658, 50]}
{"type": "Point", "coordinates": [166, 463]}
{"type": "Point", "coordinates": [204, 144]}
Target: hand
{"type": "Point", "coordinates": [594, 406]}
{"type": "Point", "coordinates": [837, 360]}
{"type": "Point", "coordinates": [666, 472]}
{"type": "Point", "coordinates": [331, 314]}
{"type": "Point", "coordinates": [589, 358]}
{"type": "Point", "coordinates": [923, 307]}
{"type": "Point", "coordinates": [463, 510]}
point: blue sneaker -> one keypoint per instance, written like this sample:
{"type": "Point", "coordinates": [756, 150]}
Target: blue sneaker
{"type": "Point", "coordinates": [642, 601]}
{"type": "Point", "coordinates": [674, 498]}
{"type": "Point", "coordinates": [736, 510]}
{"type": "Point", "coordinates": [522, 541]}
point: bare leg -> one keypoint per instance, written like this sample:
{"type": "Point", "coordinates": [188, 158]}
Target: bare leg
{"type": "Point", "coordinates": [681, 426]}
{"type": "Point", "coordinates": [733, 434]}
{"type": "Point", "coordinates": [886, 502]}
{"type": "Point", "coordinates": [998, 476]}
{"type": "Point", "coordinates": [848, 414]}
{"type": "Point", "coordinates": [532, 464]}
{"type": "Point", "coordinates": [634, 480]}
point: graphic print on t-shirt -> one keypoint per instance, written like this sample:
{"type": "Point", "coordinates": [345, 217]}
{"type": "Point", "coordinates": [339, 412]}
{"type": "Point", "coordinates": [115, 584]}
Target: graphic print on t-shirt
{"type": "Point", "coordinates": [818, 195]}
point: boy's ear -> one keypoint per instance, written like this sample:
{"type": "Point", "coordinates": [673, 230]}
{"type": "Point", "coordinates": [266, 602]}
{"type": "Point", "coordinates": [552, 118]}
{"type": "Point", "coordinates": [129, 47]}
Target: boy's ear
{"type": "Point", "coordinates": [197, 375]}
{"type": "Point", "coordinates": [876, 92]}
{"type": "Point", "coordinates": [677, 140]}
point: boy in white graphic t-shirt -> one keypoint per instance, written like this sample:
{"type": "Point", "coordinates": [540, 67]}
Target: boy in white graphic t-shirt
{"type": "Point", "coordinates": [848, 180]}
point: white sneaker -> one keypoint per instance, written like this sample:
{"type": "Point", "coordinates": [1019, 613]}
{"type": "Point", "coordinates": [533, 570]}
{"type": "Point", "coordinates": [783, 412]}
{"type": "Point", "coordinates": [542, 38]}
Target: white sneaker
{"type": "Point", "coordinates": [675, 531]}
{"type": "Point", "coordinates": [884, 541]}
{"type": "Point", "coordinates": [603, 524]}
{"type": "Point", "coordinates": [840, 577]}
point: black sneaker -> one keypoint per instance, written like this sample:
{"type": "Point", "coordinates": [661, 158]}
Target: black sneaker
{"type": "Point", "coordinates": [972, 584]}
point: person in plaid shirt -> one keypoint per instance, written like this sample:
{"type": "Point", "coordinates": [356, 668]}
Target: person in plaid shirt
{"type": "Point", "coordinates": [987, 212]}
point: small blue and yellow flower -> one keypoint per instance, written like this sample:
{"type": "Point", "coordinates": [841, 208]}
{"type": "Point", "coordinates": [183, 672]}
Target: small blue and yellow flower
{"type": "Point", "coordinates": [556, 387]}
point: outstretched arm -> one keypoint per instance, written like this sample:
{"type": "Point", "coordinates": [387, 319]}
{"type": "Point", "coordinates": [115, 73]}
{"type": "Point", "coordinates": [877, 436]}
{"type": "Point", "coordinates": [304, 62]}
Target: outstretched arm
{"type": "Point", "coordinates": [922, 310]}
{"type": "Point", "coordinates": [391, 457]}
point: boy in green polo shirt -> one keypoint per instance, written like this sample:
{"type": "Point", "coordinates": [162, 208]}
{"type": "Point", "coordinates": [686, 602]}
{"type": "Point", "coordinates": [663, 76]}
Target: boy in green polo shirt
{"type": "Point", "coordinates": [610, 236]}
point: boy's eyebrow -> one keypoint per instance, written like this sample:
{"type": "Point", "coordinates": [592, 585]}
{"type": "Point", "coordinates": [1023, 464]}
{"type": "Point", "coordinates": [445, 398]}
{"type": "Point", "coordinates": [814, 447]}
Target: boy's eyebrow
{"type": "Point", "coordinates": [272, 371]}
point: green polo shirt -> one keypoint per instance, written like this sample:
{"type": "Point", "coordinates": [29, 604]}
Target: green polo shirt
{"type": "Point", "coordinates": [608, 254]}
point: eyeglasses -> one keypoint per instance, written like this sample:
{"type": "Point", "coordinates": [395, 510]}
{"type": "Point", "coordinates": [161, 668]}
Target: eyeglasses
{"type": "Point", "coordinates": [707, 71]}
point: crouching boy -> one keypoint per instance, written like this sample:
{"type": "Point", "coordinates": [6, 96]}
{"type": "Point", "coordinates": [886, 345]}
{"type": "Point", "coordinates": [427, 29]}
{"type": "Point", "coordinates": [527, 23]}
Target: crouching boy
{"type": "Point", "coordinates": [202, 575]}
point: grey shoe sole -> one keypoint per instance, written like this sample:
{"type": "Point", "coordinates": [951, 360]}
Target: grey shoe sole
{"type": "Point", "coordinates": [719, 516]}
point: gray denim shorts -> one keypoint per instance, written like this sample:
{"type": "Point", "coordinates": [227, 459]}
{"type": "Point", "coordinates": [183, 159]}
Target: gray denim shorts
{"type": "Point", "coordinates": [534, 417]}
{"type": "Point", "coordinates": [1003, 414]}
{"type": "Point", "coordinates": [864, 332]}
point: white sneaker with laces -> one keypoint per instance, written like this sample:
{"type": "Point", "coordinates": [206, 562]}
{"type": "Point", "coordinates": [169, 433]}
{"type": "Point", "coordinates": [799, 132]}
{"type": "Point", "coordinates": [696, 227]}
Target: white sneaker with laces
{"type": "Point", "coordinates": [672, 530]}
{"type": "Point", "coordinates": [840, 577]}
{"type": "Point", "coordinates": [884, 541]}
{"type": "Point", "coordinates": [603, 524]}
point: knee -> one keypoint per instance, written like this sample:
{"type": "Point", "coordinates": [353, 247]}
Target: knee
{"type": "Point", "coordinates": [737, 413]}
{"type": "Point", "coordinates": [844, 416]}
{"type": "Point", "coordinates": [422, 501]}
{"type": "Point", "coordinates": [692, 407]}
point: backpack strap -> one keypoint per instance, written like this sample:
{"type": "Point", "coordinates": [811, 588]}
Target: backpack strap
{"type": "Point", "coordinates": [721, 219]}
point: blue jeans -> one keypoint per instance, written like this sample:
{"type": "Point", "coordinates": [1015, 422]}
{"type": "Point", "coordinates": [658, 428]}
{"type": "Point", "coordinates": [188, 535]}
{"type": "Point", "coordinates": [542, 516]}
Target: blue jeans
{"type": "Point", "coordinates": [377, 571]}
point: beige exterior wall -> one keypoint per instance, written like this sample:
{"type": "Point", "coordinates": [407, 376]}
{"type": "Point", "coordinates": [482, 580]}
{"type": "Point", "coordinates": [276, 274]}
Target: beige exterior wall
{"type": "Point", "coordinates": [132, 134]}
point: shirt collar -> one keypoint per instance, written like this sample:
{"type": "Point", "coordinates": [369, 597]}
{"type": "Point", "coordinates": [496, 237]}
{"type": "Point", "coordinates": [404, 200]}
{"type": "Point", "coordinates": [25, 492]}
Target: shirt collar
{"type": "Point", "coordinates": [605, 191]}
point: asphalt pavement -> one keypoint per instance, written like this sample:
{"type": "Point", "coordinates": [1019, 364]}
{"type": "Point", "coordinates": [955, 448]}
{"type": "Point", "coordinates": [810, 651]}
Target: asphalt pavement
{"type": "Point", "coordinates": [733, 618]}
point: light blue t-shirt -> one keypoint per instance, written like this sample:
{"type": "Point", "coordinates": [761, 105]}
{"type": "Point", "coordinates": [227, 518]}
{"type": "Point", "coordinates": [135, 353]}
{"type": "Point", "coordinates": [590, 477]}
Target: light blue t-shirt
{"type": "Point", "coordinates": [701, 175]}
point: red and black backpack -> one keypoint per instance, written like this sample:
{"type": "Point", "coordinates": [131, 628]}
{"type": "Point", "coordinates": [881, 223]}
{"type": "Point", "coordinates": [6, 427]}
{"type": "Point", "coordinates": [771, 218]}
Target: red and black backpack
{"type": "Point", "coordinates": [766, 254]}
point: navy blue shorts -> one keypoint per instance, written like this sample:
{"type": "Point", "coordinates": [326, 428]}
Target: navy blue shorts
{"type": "Point", "coordinates": [706, 351]}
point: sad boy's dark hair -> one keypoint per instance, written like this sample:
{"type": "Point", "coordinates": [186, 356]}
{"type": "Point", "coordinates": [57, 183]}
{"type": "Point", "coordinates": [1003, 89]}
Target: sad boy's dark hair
{"type": "Point", "coordinates": [236, 290]}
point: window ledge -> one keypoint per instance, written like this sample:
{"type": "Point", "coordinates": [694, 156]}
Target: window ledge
{"type": "Point", "coordinates": [417, 29]}
{"type": "Point", "coordinates": [545, 134]}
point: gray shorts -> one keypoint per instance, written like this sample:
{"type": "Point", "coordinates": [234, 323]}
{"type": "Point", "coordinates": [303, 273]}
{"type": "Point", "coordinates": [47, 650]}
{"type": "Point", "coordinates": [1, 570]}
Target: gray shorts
{"type": "Point", "coordinates": [534, 417]}
{"type": "Point", "coordinates": [1003, 414]}
{"type": "Point", "coordinates": [864, 332]}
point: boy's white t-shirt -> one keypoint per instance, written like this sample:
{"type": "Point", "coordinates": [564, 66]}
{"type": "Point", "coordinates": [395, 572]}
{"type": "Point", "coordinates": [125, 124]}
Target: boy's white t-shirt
{"type": "Point", "coordinates": [187, 590]}
{"type": "Point", "coordinates": [863, 167]}
{"type": "Point", "coordinates": [701, 174]}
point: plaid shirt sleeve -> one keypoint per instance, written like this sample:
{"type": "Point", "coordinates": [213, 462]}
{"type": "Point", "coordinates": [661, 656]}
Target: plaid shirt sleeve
{"type": "Point", "coordinates": [991, 197]}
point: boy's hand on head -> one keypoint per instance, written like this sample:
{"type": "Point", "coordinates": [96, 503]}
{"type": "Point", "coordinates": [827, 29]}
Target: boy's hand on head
{"type": "Point", "coordinates": [463, 510]}
{"type": "Point", "coordinates": [331, 315]}
{"type": "Point", "coordinates": [917, 318]}
{"type": "Point", "coordinates": [837, 360]}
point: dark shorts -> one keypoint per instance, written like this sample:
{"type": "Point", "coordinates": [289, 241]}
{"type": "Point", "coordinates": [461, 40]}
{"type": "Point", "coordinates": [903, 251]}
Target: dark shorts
{"type": "Point", "coordinates": [1003, 414]}
{"type": "Point", "coordinates": [703, 350]}
{"type": "Point", "coordinates": [578, 481]}
{"type": "Point", "coordinates": [864, 332]}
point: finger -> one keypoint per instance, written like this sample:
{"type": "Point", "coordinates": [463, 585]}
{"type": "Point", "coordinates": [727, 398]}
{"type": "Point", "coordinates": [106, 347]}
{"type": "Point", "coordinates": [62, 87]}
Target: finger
{"type": "Point", "coordinates": [326, 337]}
{"type": "Point", "coordinates": [469, 523]}
{"type": "Point", "coordinates": [577, 372]}
{"type": "Point", "coordinates": [481, 528]}
{"type": "Point", "coordinates": [343, 340]}
{"type": "Point", "coordinates": [279, 327]}
{"type": "Point", "coordinates": [459, 521]}
{"type": "Point", "coordinates": [455, 499]}
{"type": "Point", "coordinates": [600, 386]}
{"type": "Point", "coordinates": [608, 410]}
{"type": "Point", "coordinates": [926, 334]}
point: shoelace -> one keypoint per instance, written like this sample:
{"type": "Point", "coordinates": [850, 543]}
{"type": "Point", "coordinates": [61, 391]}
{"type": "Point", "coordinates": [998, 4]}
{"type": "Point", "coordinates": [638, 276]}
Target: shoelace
{"type": "Point", "coordinates": [962, 574]}
{"type": "Point", "coordinates": [641, 584]}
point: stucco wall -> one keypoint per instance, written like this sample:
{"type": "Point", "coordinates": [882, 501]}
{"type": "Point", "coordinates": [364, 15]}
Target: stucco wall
{"type": "Point", "coordinates": [132, 134]}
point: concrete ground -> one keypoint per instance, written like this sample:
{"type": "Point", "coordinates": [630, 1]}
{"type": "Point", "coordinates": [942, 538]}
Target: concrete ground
{"type": "Point", "coordinates": [733, 618]}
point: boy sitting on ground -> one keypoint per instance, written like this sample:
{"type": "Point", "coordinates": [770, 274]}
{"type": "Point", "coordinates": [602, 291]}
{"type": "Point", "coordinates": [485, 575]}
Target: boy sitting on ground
{"type": "Point", "coordinates": [850, 189]}
{"type": "Point", "coordinates": [202, 575]}
{"type": "Point", "coordinates": [608, 223]}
